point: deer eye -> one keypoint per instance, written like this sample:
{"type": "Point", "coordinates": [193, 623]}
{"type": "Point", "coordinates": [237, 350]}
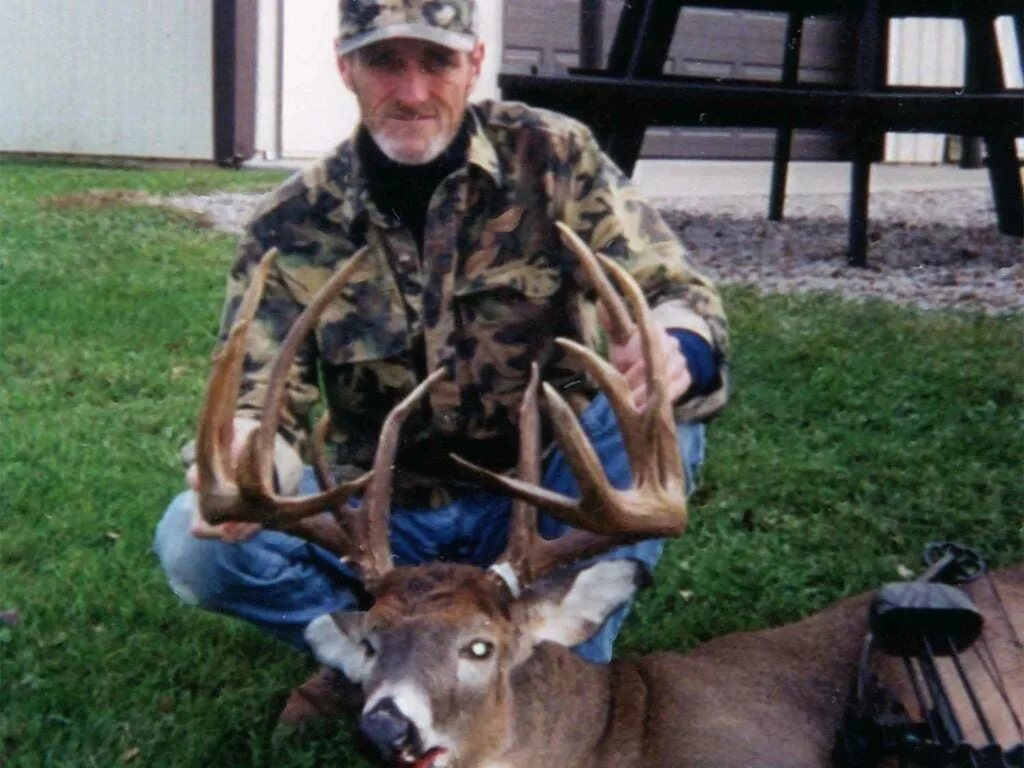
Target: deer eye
{"type": "Point", "coordinates": [368, 649]}
{"type": "Point", "coordinates": [478, 650]}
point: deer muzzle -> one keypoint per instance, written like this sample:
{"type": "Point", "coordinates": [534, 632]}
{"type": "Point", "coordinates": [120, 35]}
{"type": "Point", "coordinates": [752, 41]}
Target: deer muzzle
{"type": "Point", "coordinates": [394, 734]}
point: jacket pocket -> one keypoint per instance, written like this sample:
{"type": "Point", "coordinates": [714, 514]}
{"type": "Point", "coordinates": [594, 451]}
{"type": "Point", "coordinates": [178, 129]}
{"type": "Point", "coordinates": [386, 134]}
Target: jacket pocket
{"type": "Point", "coordinates": [513, 302]}
{"type": "Point", "coordinates": [366, 323]}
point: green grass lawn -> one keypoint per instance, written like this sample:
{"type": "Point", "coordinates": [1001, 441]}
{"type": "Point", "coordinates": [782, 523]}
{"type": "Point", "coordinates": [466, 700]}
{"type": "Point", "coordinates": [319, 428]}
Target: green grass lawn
{"type": "Point", "coordinates": [857, 434]}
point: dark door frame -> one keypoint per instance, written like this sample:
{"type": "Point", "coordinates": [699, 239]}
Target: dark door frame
{"type": "Point", "coordinates": [235, 39]}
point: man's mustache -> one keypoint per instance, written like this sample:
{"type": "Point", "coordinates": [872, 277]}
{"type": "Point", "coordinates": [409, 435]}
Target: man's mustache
{"type": "Point", "coordinates": [404, 113]}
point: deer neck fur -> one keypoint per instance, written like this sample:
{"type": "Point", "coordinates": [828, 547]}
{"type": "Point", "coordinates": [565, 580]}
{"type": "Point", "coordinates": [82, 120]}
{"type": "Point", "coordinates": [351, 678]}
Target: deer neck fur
{"type": "Point", "coordinates": [573, 713]}
{"type": "Point", "coordinates": [577, 714]}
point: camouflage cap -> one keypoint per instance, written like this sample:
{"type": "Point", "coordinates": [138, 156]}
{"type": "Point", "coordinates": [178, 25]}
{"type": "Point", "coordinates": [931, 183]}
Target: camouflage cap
{"type": "Point", "coordinates": [451, 23]}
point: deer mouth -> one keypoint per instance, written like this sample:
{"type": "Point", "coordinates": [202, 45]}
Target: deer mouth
{"type": "Point", "coordinates": [406, 759]}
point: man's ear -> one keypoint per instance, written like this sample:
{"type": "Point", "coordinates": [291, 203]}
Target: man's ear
{"type": "Point", "coordinates": [476, 62]}
{"type": "Point", "coordinates": [568, 607]}
{"type": "Point", "coordinates": [336, 640]}
{"type": "Point", "coordinates": [345, 64]}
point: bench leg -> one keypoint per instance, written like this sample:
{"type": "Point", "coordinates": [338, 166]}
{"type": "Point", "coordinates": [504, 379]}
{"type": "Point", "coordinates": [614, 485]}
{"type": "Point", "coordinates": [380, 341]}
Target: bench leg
{"type": "Point", "coordinates": [870, 75]}
{"type": "Point", "coordinates": [860, 187]}
{"type": "Point", "coordinates": [1003, 165]}
{"type": "Point", "coordinates": [655, 30]}
{"type": "Point", "coordinates": [970, 146]}
{"type": "Point", "coordinates": [784, 136]}
{"type": "Point", "coordinates": [1007, 192]}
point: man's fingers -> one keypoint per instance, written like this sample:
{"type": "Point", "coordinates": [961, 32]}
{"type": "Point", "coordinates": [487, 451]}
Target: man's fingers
{"type": "Point", "coordinates": [229, 532]}
{"type": "Point", "coordinates": [635, 376]}
{"type": "Point", "coordinates": [198, 526]}
{"type": "Point", "coordinates": [192, 477]}
{"type": "Point", "coordinates": [677, 374]}
{"type": "Point", "coordinates": [237, 532]}
{"type": "Point", "coordinates": [675, 363]}
{"type": "Point", "coordinates": [679, 379]}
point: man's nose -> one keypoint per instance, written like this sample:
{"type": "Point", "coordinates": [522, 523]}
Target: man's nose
{"type": "Point", "coordinates": [413, 88]}
{"type": "Point", "coordinates": [388, 729]}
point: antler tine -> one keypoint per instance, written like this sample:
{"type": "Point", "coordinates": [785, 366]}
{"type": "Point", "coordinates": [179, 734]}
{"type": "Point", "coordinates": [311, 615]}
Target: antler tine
{"type": "Point", "coordinates": [522, 533]}
{"type": "Point", "coordinates": [317, 445]}
{"type": "Point", "coordinates": [373, 557]}
{"type": "Point", "coordinates": [249, 496]}
{"type": "Point", "coordinates": [650, 438]}
{"type": "Point", "coordinates": [621, 326]}
{"type": "Point", "coordinates": [214, 430]}
{"type": "Point", "coordinates": [659, 429]}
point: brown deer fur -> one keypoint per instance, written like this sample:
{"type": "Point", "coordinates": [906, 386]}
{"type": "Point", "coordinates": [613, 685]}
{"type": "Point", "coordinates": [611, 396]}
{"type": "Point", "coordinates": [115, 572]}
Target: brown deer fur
{"type": "Point", "coordinates": [766, 698]}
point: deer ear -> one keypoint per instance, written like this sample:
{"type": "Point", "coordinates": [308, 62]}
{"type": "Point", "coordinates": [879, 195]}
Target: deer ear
{"type": "Point", "coordinates": [338, 641]}
{"type": "Point", "coordinates": [568, 607]}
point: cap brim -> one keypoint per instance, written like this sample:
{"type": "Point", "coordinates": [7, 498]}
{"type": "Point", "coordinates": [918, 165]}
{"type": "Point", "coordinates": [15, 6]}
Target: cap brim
{"type": "Point", "coordinates": [457, 41]}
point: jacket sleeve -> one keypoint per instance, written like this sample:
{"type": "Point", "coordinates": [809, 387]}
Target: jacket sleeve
{"type": "Point", "coordinates": [277, 311]}
{"type": "Point", "coordinates": [604, 208]}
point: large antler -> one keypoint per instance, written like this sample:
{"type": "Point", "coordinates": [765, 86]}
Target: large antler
{"type": "Point", "coordinates": [357, 533]}
{"type": "Point", "coordinates": [604, 516]}
{"type": "Point", "coordinates": [246, 492]}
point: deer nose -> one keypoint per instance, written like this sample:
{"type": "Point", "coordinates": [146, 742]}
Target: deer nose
{"type": "Point", "coordinates": [388, 729]}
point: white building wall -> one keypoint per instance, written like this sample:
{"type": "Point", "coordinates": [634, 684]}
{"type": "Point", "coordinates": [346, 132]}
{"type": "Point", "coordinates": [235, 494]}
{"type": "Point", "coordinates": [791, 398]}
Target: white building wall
{"type": "Point", "coordinates": [107, 77]}
{"type": "Point", "coordinates": [267, 83]}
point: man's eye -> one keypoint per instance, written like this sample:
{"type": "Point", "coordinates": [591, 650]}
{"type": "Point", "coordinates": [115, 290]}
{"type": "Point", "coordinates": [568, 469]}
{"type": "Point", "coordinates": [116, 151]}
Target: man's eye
{"type": "Point", "coordinates": [436, 63]}
{"type": "Point", "coordinates": [478, 650]}
{"type": "Point", "coordinates": [383, 62]}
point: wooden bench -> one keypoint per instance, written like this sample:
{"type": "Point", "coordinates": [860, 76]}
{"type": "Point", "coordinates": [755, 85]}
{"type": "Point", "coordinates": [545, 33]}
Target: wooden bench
{"type": "Point", "coordinates": [631, 94]}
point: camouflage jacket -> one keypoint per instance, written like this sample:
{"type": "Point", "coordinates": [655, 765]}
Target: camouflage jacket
{"type": "Point", "coordinates": [492, 290]}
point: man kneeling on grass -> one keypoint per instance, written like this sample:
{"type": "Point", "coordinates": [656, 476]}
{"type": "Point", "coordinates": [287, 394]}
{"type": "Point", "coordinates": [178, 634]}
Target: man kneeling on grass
{"type": "Point", "coordinates": [458, 204]}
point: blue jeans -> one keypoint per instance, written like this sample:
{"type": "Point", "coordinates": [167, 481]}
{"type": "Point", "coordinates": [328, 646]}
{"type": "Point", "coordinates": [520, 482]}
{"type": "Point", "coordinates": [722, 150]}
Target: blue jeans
{"type": "Point", "coordinates": [280, 583]}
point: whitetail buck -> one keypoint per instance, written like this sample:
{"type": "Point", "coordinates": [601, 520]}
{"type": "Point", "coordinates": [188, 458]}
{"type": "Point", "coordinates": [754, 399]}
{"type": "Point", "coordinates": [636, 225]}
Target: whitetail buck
{"type": "Point", "coordinates": [462, 666]}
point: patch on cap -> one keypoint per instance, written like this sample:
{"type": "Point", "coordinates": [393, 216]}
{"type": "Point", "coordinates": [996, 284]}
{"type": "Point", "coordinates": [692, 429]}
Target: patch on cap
{"type": "Point", "coordinates": [451, 23]}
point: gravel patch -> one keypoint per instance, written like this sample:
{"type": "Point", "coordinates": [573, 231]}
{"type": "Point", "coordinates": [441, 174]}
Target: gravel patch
{"type": "Point", "coordinates": [937, 249]}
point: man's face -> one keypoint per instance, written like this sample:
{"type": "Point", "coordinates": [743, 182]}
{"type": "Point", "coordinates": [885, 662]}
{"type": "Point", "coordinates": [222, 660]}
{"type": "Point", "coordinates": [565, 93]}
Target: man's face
{"type": "Point", "coordinates": [412, 94]}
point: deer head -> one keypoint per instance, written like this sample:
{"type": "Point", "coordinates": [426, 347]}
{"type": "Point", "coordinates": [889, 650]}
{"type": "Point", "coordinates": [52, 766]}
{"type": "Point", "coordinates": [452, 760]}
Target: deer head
{"type": "Point", "coordinates": [438, 652]}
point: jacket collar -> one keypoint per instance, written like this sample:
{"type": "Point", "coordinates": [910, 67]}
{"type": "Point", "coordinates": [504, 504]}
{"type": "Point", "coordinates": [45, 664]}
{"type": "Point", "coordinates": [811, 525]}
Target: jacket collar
{"type": "Point", "coordinates": [344, 176]}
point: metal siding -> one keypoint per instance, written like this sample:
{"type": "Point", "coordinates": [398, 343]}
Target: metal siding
{"type": "Point", "coordinates": [107, 77]}
{"type": "Point", "coordinates": [1013, 75]}
{"type": "Point", "coordinates": [923, 52]}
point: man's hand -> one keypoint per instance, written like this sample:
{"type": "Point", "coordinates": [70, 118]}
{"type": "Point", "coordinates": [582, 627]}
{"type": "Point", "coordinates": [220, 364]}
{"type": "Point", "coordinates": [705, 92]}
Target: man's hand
{"type": "Point", "coordinates": [628, 359]}
{"type": "Point", "coordinates": [229, 532]}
